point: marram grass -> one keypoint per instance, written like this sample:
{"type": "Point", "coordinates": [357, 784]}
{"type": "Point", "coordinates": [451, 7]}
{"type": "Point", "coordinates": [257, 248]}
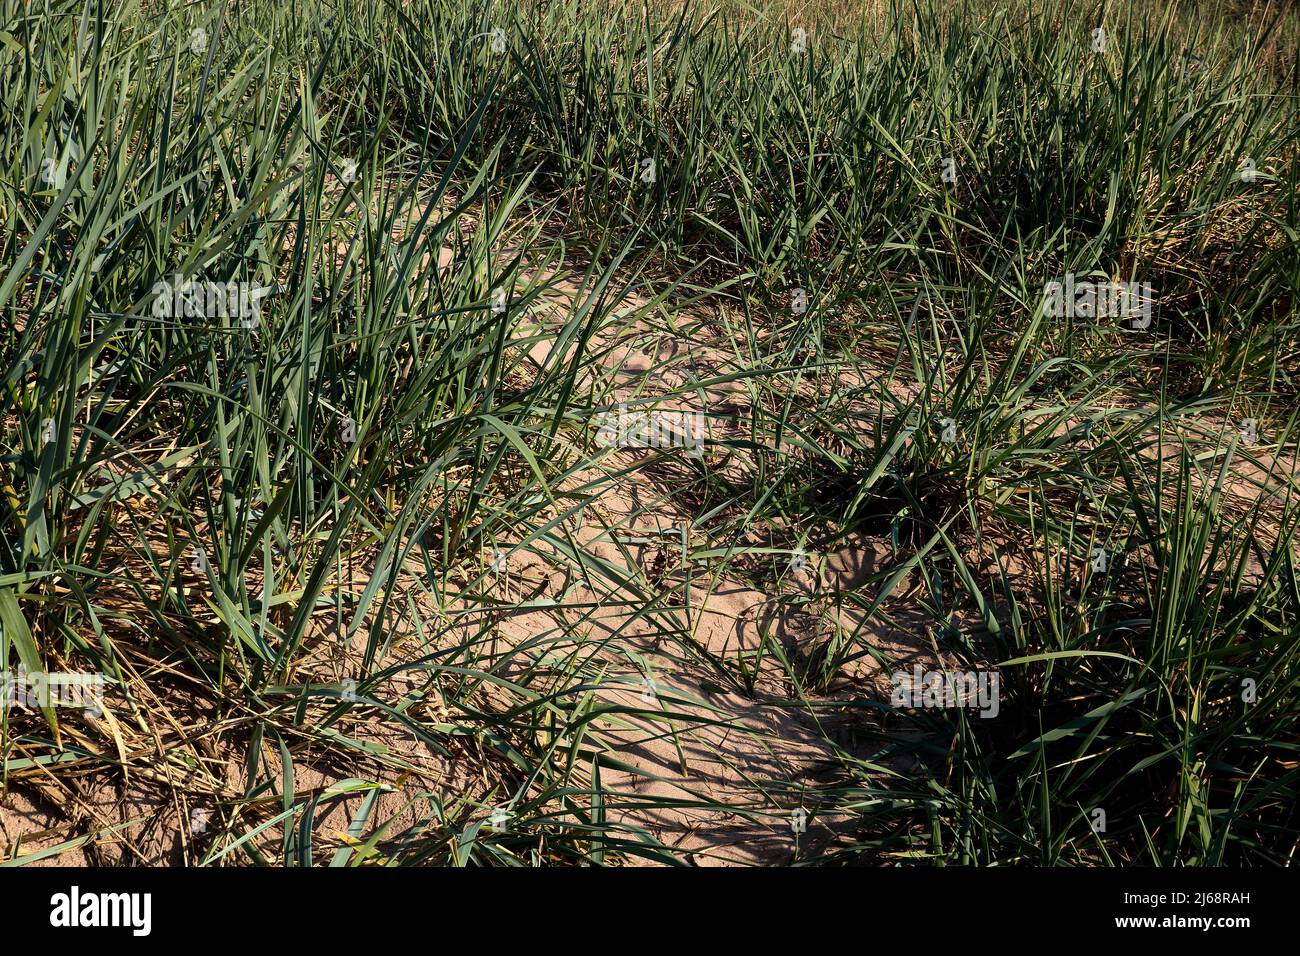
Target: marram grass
{"type": "Point", "coordinates": [286, 533]}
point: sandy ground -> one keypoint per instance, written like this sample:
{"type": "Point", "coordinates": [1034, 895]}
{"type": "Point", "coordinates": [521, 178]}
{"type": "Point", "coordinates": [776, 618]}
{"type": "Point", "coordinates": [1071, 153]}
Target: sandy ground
{"type": "Point", "coordinates": [721, 770]}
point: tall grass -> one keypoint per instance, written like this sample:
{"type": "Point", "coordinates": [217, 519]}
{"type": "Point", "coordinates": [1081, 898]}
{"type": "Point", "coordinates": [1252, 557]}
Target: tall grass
{"type": "Point", "coordinates": [284, 533]}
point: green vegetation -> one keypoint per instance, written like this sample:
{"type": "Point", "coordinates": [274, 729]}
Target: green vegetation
{"type": "Point", "coordinates": [295, 537]}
